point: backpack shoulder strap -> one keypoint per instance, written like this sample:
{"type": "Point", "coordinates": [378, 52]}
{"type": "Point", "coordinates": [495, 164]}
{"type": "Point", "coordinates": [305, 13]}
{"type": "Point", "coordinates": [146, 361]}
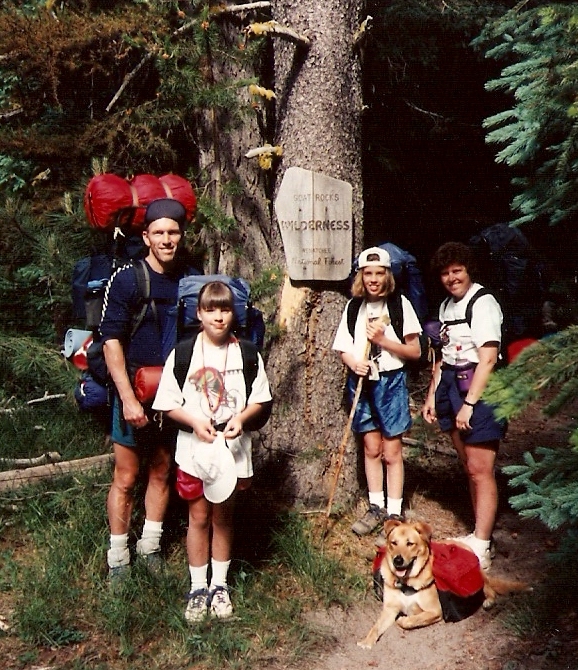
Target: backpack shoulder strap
{"type": "Point", "coordinates": [183, 355]}
{"type": "Point", "coordinates": [353, 308]}
{"type": "Point", "coordinates": [469, 307]}
{"type": "Point", "coordinates": [143, 283]}
{"type": "Point", "coordinates": [395, 309]}
{"type": "Point", "coordinates": [250, 364]}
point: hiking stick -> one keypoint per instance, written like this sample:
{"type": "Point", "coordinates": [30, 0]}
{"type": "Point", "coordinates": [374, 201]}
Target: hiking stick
{"type": "Point", "coordinates": [346, 433]}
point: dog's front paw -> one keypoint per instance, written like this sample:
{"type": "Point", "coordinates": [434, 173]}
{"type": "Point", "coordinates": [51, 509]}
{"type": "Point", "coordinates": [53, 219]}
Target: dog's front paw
{"type": "Point", "coordinates": [488, 603]}
{"type": "Point", "coordinates": [365, 644]}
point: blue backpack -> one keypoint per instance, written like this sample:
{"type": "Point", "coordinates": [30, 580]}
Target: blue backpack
{"type": "Point", "coordinates": [182, 320]}
{"type": "Point", "coordinates": [515, 273]}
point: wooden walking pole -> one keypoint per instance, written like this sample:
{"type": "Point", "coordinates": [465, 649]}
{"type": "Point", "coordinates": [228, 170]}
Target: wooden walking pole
{"type": "Point", "coordinates": [346, 433]}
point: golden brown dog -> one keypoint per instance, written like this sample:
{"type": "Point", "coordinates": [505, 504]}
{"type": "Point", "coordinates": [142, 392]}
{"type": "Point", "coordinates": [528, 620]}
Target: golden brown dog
{"type": "Point", "coordinates": [408, 583]}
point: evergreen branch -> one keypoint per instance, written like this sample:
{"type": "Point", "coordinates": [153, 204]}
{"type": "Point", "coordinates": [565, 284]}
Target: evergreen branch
{"type": "Point", "coordinates": [11, 113]}
{"type": "Point", "coordinates": [149, 55]}
{"type": "Point", "coordinates": [512, 389]}
{"type": "Point", "coordinates": [129, 77]}
{"type": "Point", "coordinates": [29, 367]}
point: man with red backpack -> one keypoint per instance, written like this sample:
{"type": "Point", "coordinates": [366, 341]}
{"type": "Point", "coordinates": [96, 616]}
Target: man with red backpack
{"type": "Point", "coordinates": [136, 434]}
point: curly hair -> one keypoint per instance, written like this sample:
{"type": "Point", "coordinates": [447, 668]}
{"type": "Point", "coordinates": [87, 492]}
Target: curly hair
{"type": "Point", "coordinates": [452, 253]}
{"type": "Point", "coordinates": [358, 288]}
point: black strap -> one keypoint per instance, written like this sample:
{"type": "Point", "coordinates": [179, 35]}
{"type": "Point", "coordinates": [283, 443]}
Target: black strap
{"type": "Point", "coordinates": [143, 283]}
{"type": "Point", "coordinates": [353, 308]}
{"type": "Point", "coordinates": [394, 306]}
{"type": "Point", "coordinates": [184, 353]}
{"type": "Point", "coordinates": [469, 308]}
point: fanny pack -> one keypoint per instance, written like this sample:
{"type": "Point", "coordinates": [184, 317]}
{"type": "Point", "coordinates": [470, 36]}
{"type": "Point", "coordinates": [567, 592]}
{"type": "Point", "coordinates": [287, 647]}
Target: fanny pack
{"type": "Point", "coordinates": [145, 382]}
{"type": "Point", "coordinates": [464, 375]}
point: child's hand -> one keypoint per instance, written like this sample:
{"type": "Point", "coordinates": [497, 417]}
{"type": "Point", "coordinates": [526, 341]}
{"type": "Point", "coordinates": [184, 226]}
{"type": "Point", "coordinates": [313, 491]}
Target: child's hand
{"type": "Point", "coordinates": [234, 427]}
{"type": "Point", "coordinates": [375, 331]}
{"type": "Point", "coordinates": [362, 368]}
{"type": "Point", "coordinates": [204, 429]}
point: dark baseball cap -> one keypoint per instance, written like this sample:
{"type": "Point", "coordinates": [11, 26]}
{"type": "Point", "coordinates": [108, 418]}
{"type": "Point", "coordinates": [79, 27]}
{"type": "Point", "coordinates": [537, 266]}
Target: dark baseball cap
{"type": "Point", "coordinates": [165, 208]}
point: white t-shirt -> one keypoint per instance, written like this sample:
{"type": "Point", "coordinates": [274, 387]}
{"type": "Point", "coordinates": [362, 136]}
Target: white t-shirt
{"type": "Point", "coordinates": [215, 388]}
{"type": "Point", "coordinates": [356, 345]}
{"type": "Point", "coordinates": [460, 342]}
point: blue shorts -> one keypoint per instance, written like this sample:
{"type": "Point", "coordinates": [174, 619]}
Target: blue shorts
{"type": "Point", "coordinates": [383, 405]}
{"type": "Point", "coordinates": [449, 401]}
{"type": "Point", "coordinates": [149, 437]}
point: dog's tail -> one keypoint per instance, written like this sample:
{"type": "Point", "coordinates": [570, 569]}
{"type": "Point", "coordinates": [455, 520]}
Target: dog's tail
{"type": "Point", "coordinates": [504, 586]}
{"type": "Point", "coordinates": [496, 586]}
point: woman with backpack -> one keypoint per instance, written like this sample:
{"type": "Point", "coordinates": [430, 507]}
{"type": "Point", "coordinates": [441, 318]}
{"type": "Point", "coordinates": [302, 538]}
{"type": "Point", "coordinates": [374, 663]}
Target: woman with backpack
{"type": "Point", "coordinates": [470, 339]}
{"type": "Point", "coordinates": [375, 355]}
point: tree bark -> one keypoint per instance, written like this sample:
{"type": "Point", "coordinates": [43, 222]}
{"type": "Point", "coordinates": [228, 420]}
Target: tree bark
{"type": "Point", "coordinates": [318, 120]}
{"type": "Point", "coordinates": [223, 144]}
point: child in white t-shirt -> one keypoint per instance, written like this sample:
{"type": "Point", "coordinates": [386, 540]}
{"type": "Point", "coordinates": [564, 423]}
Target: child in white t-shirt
{"type": "Point", "coordinates": [213, 453]}
{"type": "Point", "coordinates": [382, 414]}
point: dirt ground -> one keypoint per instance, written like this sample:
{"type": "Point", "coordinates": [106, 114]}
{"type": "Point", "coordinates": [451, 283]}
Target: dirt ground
{"type": "Point", "coordinates": [436, 492]}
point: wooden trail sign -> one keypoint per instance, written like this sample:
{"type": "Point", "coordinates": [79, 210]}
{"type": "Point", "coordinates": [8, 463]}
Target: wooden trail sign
{"type": "Point", "coordinates": [315, 219]}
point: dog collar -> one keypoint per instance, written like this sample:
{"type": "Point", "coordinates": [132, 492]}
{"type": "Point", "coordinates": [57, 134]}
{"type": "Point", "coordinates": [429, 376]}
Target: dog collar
{"type": "Point", "coordinates": [409, 590]}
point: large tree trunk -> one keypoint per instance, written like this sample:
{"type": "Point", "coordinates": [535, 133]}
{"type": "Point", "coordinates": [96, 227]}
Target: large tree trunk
{"type": "Point", "coordinates": [237, 184]}
{"type": "Point", "coordinates": [319, 103]}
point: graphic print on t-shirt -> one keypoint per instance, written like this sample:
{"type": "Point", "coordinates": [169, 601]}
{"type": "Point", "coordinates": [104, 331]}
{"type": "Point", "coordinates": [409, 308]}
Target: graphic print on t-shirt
{"type": "Point", "coordinates": [216, 401]}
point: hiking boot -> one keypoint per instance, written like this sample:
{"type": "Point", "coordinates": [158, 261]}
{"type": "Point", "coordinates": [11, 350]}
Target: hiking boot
{"type": "Point", "coordinates": [492, 548]}
{"type": "Point", "coordinates": [118, 576]}
{"type": "Point", "coordinates": [374, 517]}
{"type": "Point", "coordinates": [198, 605]}
{"type": "Point", "coordinates": [154, 563]}
{"type": "Point", "coordinates": [221, 603]}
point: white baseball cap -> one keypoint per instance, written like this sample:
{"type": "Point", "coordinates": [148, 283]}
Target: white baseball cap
{"type": "Point", "coordinates": [215, 465]}
{"type": "Point", "coordinates": [374, 256]}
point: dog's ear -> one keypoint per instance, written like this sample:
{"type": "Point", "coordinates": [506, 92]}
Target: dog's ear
{"type": "Point", "coordinates": [390, 524]}
{"type": "Point", "coordinates": [424, 529]}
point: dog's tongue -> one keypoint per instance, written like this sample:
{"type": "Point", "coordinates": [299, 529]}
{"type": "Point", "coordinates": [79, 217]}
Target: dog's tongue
{"type": "Point", "coordinates": [401, 573]}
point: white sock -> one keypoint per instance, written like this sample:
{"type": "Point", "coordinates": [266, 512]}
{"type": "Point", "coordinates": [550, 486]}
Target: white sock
{"type": "Point", "coordinates": [150, 541]}
{"type": "Point", "coordinates": [377, 498]}
{"type": "Point", "coordinates": [198, 577]}
{"type": "Point", "coordinates": [394, 506]}
{"type": "Point", "coordinates": [219, 570]}
{"type": "Point", "coordinates": [118, 554]}
{"type": "Point", "coordinates": [479, 546]}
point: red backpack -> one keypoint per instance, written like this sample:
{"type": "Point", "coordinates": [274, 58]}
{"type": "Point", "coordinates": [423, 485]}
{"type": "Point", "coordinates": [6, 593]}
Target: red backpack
{"type": "Point", "coordinates": [111, 201]}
